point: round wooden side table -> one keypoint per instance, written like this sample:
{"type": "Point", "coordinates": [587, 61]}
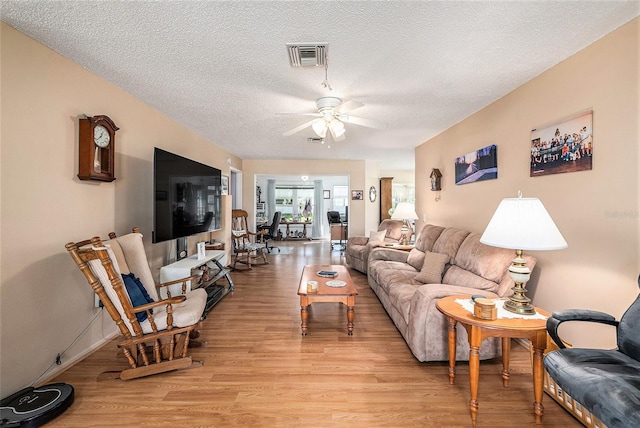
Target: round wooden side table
{"type": "Point", "coordinates": [478, 329]}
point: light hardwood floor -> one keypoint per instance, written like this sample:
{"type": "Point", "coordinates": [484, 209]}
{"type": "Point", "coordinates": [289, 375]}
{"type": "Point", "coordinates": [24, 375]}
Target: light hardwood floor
{"type": "Point", "coordinates": [260, 372]}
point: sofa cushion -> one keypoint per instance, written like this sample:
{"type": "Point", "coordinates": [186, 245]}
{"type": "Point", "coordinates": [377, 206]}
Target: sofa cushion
{"type": "Point", "coordinates": [400, 295]}
{"type": "Point", "coordinates": [426, 238]}
{"type": "Point", "coordinates": [458, 276]}
{"type": "Point", "coordinates": [432, 268]}
{"type": "Point", "coordinates": [377, 268]}
{"type": "Point", "coordinates": [449, 242]}
{"type": "Point", "coordinates": [488, 262]}
{"type": "Point", "coordinates": [389, 278]}
{"type": "Point", "coordinates": [377, 236]}
{"type": "Point", "coordinates": [392, 228]}
{"type": "Point", "coordinates": [357, 241]}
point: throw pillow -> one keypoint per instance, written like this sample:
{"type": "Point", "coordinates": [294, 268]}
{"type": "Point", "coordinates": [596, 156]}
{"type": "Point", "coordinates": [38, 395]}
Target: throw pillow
{"type": "Point", "coordinates": [377, 236]}
{"type": "Point", "coordinates": [415, 258]}
{"type": "Point", "coordinates": [137, 294]}
{"type": "Point", "coordinates": [432, 268]}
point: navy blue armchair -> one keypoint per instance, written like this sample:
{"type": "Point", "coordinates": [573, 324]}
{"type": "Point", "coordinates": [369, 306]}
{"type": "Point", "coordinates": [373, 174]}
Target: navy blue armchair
{"type": "Point", "coordinates": [605, 382]}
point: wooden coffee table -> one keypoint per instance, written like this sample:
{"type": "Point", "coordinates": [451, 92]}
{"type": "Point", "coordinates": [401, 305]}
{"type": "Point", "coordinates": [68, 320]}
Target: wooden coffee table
{"type": "Point", "coordinates": [345, 294]}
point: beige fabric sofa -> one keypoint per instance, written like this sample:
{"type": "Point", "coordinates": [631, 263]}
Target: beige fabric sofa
{"type": "Point", "coordinates": [472, 268]}
{"type": "Point", "coordinates": [359, 247]}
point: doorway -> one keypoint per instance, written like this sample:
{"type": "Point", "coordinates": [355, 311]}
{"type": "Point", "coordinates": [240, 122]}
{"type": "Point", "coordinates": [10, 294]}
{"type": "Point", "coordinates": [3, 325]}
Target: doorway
{"type": "Point", "coordinates": [294, 197]}
{"type": "Point", "coordinates": [235, 188]}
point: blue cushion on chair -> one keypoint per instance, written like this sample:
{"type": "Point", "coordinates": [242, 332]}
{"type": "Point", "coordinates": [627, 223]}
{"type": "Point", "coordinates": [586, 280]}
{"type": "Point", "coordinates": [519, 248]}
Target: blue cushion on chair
{"type": "Point", "coordinates": [137, 293]}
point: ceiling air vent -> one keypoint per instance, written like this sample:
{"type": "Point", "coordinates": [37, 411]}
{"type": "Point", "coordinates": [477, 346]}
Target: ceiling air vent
{"type": "Point", "coordinates": [307, 54]}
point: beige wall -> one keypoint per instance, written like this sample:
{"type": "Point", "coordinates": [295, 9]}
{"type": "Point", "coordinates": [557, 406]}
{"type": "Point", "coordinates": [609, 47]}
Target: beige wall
{"type": "Point", "coordinates": [597, 211]}
{"type": "Point", "coordinates": [45, 302]}
{"type": "Point", "coordinates": [372, 209]}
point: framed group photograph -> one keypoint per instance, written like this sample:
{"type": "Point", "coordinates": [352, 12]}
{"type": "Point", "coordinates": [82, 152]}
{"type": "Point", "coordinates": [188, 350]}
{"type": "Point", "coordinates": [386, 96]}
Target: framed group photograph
{"type": "Point", "coordinates": [357, 195]}
{"type": "Point", "coordinates": [477, 166]}
{"type": "Point", "coordinates": [563, 147]}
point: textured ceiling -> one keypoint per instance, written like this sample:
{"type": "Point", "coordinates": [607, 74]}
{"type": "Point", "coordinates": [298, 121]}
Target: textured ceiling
{"type": "Point", "coordinates": [221, 68]}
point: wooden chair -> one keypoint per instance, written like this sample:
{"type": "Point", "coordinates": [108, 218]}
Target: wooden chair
{"type": "Point", "coordinates": [247, 245]}
{"type": "Point", "coordinates": [158, 343]}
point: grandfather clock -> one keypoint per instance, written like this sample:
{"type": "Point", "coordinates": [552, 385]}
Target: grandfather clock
{"type": "Point", "coordinates": [97, 141]}
{"type": "Point", "coordinates": [386, 197]}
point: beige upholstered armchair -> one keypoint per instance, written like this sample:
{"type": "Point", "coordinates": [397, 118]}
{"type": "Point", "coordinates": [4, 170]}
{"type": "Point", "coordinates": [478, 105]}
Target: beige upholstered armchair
{"type": "Point", "coordinates": [359, 247]}
{"type": "Point", "coordinates": [155, 332]}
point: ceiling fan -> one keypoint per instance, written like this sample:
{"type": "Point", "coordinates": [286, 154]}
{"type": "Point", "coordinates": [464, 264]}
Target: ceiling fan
{"type": "Point", "coordinates": [331, 116]}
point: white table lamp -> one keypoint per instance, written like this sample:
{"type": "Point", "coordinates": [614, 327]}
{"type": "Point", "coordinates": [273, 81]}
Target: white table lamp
{"type": "Point", "coordinates": [522, 224]}
{"type": "Point", "coordinates": [406, 212]}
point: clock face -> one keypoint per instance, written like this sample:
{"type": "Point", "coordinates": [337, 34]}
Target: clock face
{"type": "Point", "coordinates": [101, 136]}
{"type": "Point", "coordinates": [372, 194]}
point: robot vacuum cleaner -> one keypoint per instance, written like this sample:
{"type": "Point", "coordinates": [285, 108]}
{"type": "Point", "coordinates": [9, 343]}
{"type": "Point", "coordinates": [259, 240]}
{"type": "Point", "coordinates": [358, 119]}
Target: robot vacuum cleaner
{"type": "Point", "coordinates": [33, 407]}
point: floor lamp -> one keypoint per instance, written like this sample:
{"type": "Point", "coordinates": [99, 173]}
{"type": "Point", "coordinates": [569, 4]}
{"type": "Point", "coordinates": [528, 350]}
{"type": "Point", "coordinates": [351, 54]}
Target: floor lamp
{"type": "Point", "coordinates": [522, 224]}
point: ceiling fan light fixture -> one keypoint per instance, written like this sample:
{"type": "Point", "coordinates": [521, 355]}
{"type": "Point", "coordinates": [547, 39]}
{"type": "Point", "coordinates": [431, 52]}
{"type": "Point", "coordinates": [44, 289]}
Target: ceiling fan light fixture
{"type": "Point", "coordinates": [332, 115]}
{"type": "Point", "coordinates": [319, 126]}
{"type": "Point", "coordinates": [337, 128]}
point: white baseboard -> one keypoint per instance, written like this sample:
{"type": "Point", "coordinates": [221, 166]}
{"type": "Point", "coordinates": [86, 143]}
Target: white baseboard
{"type": "Point", "coordinates": [69, 363]}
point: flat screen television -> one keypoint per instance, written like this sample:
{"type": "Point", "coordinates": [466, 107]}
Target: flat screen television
{"type": "Point", "coordinates": [187, 197]}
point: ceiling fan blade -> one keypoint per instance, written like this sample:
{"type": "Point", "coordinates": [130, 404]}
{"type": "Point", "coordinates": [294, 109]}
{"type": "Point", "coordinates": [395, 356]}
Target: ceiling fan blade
{"type": "Point", "coordinates": [298, 129]}
{"type": "Point", "coordinates": [348, 106]}
{"type": "Point", "coordinates": [362, 121]}
{"type": "Point", "coordinates": [299, 114]}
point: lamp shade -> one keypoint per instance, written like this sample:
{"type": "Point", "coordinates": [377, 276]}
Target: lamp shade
{"type": "Point", "coordinates": [523, 224]}
{"type": "Point", "coordinates": [319, 126]}
{"type": "Point", "coordinates": [404, 211]}
{"type": "Point", "coordinates": [337, 128]}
